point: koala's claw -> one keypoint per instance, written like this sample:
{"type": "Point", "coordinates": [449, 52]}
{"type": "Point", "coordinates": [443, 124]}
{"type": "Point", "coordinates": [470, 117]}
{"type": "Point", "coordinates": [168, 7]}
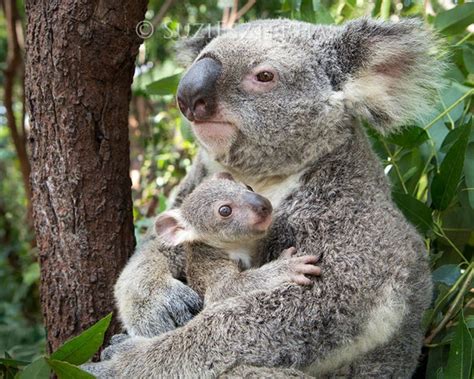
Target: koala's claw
{"type": "Point", "coordinates": [288, 253]}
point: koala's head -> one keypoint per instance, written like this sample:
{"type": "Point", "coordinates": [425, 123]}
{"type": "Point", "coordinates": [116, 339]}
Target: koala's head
{"type": "Point", "coordinates": [220, 212]}
{"type": "Point", "coordinates": [268, 97]}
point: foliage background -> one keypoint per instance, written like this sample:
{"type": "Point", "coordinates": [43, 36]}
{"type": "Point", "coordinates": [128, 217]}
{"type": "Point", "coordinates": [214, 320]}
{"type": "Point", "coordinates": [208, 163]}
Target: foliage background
{"type": "Point", "coordinates": [431, 165]}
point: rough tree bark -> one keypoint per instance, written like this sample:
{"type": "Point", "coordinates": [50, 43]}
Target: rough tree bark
{"type": "Point", "coordinates": [80, 58]}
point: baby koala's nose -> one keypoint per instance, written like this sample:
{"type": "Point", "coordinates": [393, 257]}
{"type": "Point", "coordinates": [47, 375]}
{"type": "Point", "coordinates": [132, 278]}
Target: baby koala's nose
{"type": "Point", "coordinates": [259, 204]}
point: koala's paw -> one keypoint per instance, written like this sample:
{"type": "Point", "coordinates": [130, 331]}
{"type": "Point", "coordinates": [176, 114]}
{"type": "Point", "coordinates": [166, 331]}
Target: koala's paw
{"type": "Point", "coordinates": [173, 306]}
{"type": "Point", "coordinates": [115, 345]}
{"type": "Point", "coordinates": [298, 267]}
{"type": "Point", "coordinates": [181, 303]}
{"type": "Point", "coordinates": [101, 370]}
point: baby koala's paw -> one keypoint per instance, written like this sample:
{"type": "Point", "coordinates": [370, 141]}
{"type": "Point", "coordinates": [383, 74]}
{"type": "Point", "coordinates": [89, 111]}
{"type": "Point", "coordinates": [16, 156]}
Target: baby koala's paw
{"type": "Point", "coordinates": [298, 267]}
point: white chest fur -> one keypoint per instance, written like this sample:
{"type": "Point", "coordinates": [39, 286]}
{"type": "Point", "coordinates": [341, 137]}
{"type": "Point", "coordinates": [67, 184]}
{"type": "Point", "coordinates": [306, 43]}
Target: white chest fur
{"type": "Point", "coordinates": [242, 256]}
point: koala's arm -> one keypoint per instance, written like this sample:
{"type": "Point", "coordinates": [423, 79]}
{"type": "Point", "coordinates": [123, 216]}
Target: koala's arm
{"type": "Point", "coordinates": [150, 294]}
{"type": "Point", "coordinates": [215, 277]}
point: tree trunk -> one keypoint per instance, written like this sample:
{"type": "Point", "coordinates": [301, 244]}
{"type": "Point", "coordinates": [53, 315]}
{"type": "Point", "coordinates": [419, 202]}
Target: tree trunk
{"type": "Point", "coordinates": [79, 68]}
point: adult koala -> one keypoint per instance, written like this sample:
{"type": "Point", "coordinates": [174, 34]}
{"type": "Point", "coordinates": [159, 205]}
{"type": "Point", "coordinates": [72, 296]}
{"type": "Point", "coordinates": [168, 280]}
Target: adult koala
{"type": "Point", "coordinates": [277, 103]}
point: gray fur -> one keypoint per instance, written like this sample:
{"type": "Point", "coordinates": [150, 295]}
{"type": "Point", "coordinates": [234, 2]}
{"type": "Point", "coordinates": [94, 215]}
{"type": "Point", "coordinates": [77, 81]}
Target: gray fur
{"type": "Point", "coordinates": [219, 248]}
{"type": "Point", "coordinates": [302, 146]}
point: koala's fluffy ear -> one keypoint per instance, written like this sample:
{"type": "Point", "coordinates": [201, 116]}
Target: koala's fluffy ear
{"type": "Point", "coordinates": [172, 229]}
{"type": "Point", "coordinates": [390, 73]}
{"type": "Point", "coordinates": [188, 48]}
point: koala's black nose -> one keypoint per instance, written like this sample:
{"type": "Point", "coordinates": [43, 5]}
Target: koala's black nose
{"type": "Point", "coordinates": [259, 204]}
{"type": "Point", "coordinates": [197, 90]}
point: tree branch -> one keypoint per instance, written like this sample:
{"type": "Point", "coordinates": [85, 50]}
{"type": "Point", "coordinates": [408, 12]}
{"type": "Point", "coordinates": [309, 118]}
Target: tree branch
{"type": "Point", "coordinates": [162, 12]}
{"type": "Point", "coordinates": [230, 18]}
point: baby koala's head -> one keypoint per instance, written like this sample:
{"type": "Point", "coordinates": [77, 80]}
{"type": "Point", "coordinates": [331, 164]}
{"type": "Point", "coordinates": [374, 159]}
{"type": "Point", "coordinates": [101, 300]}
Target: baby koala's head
{"type": "Point", "coordinates": [219, 212]}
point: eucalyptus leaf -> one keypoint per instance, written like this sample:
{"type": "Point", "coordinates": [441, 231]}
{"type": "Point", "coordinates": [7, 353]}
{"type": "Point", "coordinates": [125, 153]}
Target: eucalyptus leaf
{"type": "Point", "coordinates": [460, 353]}
{"type": "Point", "coordinates": [450, 139]}
{"type": "Point", "coordinates": [66, 370]}
{"type": "Point", "coordinates": [445, 183]}
{"type": "Point", "coordinates": [415, 211]}
{"type": "Point", "coordinates": [468, 57]}
{"type": "Point", "coordinates": [80, 349]}
{"type": "Point", "coordinates": [38, 369]}
{"type": "Point", "coordinates": [455, 20]}
{"type": "Point", "coordinates": [409, 137]}
{"type": "Point", "coordinates": [13, 362]}
{"type": "Point", "coordinates": [447, 274]}
{"type": "Point", "coordinates": [437, 358]}
{"type": "Point", "coordinates": [164, 86]}
{"type": "Point", "coordinates": [469, 173]}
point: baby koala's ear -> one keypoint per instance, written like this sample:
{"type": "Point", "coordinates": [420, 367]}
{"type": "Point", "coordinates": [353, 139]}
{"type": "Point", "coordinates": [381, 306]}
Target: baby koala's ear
{"type": "Point", "coordinates": [223, 175]}
{"type": "Point", "coordinates": [172, 229]}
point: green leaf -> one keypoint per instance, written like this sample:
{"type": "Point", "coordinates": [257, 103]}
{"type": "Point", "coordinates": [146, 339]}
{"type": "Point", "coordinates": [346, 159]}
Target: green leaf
{"type": "Point", "coordinates": [415, 211]}
{"type": "Point", "coordinates": [456, 20]}
{"type": "Point", "coordinates": [445, 183]}
{"type": "Point", "coordinates": [410, 137]}
{"type": "Point", "coordinates": [437, 359]}
{"type": "Point", "coordinates": [80, 349]}
{"type": "Point", "coordinates": [31, 274]}
{"type": "Point", "coordinates": [447, 274]}
{"type": "Point", "coordinates": [468, 57]}
{"type": "Point", "coordinates": [321, 13]}
{"type": "Point", "coordinates": [164, 86]}
{"type": "Point", "coordinates": [469, 172]}
{"type": "Point", "coordinates": [460, 353]}
{"type": "Point", "coordinates": [470, 321]}
{"type": "Point", "coordinates": [13, 362]}
{"type": "Point", "coordinates": [66, 370]}
{"type": "Point", "coordinates": [38, 369]}
{"type": "Point", "coordinates": [450, 139]}
{"type": "Point", "coordinates": [448, 97]}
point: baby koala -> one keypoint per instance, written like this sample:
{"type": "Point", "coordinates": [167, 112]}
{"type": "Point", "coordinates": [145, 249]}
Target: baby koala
{"type": "Point", "coordinates": [220, 224]}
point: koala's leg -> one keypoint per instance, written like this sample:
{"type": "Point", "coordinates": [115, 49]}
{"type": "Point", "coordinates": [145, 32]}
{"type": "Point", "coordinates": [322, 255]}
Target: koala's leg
{"type": "Point", "coordinates": [254, 372]}
{"type": "Point", "coordinates": [397, 359]}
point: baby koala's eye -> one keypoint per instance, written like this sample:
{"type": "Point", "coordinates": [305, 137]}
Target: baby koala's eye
{"type": "Point", "coordinates": [249, 188]}
{"type": "Point", "coordinates": [265, 76]}
{"type": "Point", "coordinates": [225, 211]}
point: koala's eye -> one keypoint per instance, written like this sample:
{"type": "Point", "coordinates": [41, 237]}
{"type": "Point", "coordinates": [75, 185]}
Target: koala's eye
{"type": "Point", "coordinates": [250, 188]}
{"type": "Point", "coordinates": [265, 76]}
{"type": "Point", "coordinates": [225, 211]}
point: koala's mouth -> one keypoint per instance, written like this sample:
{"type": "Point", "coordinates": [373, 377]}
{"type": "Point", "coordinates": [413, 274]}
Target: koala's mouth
{"type": "Point", "coordinates": [210, 123]}
{"type": "Point", "coordinates": [215, 134]}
